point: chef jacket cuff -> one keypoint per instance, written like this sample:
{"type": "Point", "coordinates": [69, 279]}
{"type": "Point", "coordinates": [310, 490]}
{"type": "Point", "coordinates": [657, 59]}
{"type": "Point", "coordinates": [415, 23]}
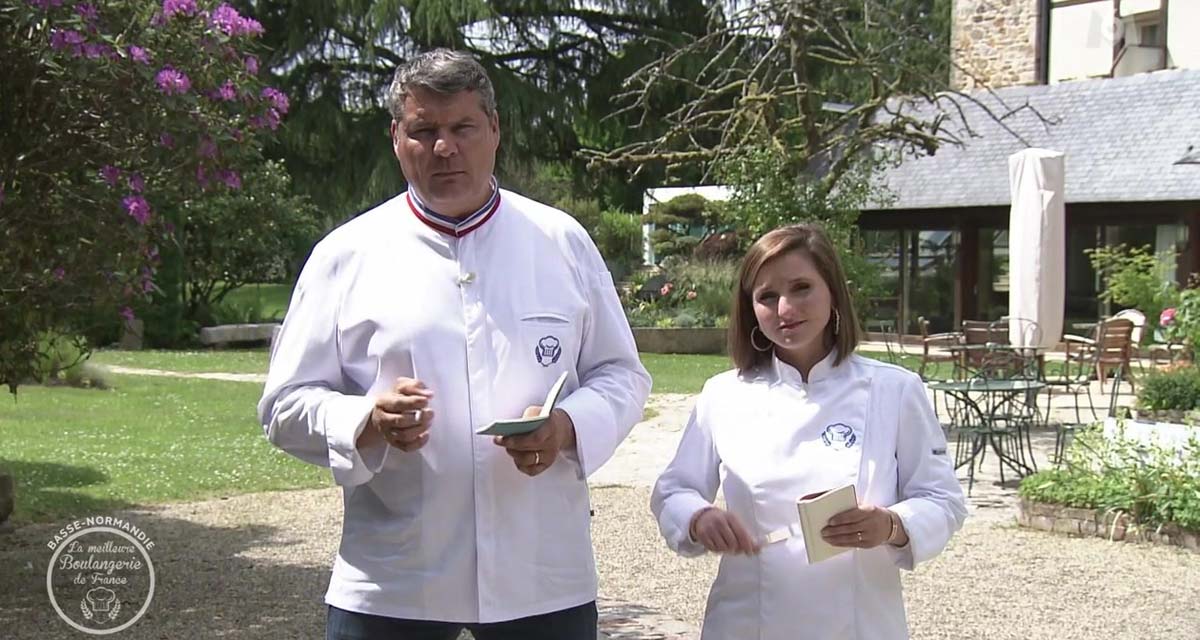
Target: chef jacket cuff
{"type": "Point", "coordinates": [904, 557]}
{"type": "Point", "coordinates": [677, 515]}
{"type": "Point", "coordinates": [344, 419]}
{"type": "Point", "coordinates": [595, 431]}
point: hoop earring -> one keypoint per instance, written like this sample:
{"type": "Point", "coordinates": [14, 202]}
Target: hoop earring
{"type": "Point", "coordinates": [837, 321]}
{"type": "Point", "coordinates": [754, 344]}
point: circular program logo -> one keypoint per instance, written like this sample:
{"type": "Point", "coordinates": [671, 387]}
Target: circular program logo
{"type": "Point", "coordinates": [100, 579]}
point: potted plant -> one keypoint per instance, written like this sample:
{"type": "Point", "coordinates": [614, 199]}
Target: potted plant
{"type": "Point", "coordinates": [1170, 396]}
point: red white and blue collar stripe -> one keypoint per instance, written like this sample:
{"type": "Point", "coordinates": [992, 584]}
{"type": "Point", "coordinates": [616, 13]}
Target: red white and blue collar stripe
{"type": "Point", "coordinates": [457, 227]}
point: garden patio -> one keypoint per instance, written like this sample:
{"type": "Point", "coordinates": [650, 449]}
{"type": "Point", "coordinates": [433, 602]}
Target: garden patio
{"type": "Point", "coordinates": [234, 520]}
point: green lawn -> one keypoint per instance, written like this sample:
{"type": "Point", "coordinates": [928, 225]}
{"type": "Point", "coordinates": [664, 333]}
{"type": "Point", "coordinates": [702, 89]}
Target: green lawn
{"type": "Point", "coordinates": [672, 373]}
{"type": "Point", "coordinates": [272, 299]}
{"type": "Point", "coordinates": [77, 452]}
{"type": "Point", "coordinates": [150, 440]}
{"type": "Point", "coordinates": [222, 361]}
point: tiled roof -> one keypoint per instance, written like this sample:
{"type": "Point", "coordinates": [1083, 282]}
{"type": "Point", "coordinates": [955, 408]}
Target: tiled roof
{"type": "Point", "coordinates": [1121, 137]}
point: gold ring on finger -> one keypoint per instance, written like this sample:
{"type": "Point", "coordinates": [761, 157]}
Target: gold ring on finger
{"type": "Point", "coordinates": [537, 458]}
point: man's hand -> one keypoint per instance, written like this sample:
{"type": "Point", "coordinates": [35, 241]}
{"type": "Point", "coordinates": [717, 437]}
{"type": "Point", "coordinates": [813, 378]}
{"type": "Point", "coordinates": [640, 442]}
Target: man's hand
{"type": "Point", "coordinates": [401, 417]}
{"type": "Point", "coordinates": [863, 527]}
{"type": "Point", "coordinates": [535, 451]}
{"type": "Point", "coordinates": [721, 532]}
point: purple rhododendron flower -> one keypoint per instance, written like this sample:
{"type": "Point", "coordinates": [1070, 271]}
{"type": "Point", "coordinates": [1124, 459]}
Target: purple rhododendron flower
{"type": "Point", "coordinates": [171, 81]}
{"type": "Point", "coordinates": [137, 183]}
{"type": "Point", "coordinates": [166, 140]}
{"type": "Point", "coordinates": [137, 207]}
{"type": "Point", "coordinates": [87, 11]}
{"type": "Point", "coordinates": [127, 314]}
{"type": "Point", "coordinates": [231, 179]}
{"type": "Point", "coordinates": [70, 39]}
{"type": "Point", "coordinates": [201, 178]}
{"type": "Point", "coordinates": [252, 65]}
{"type": "Point", "coordinates": [171, 8]}
{"type": "Point", "coordinates": [227, 91]}
{"type": "Point", "coordinates": [94, 50]}
{"type": "Point", "coordinates": [277, 98]}
{"type": "Point", "coordinates": [60, 273]}
{"type": "Point", "coordinates": [138, 54]}
{"type": "Point", "coordinates": [272, 119]}
{"type": "Point", "coordinates": [227, 20]}
{"type": "Point", "coordinates": [252, 27]}
{"type": "Point", "coordinates": [110, 174]}
{"type": "Point", "coordinates": [208, 148]}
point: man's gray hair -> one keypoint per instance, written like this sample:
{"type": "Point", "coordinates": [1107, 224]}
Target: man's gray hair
{"type": "Point", "coordinates": [441, 71]}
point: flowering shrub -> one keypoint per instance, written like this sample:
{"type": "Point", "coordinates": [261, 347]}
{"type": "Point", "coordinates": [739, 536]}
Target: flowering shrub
{"type": "Point", "coordinates": [692, 294]}
{"type": "Point", "coordinates": [113, 111]}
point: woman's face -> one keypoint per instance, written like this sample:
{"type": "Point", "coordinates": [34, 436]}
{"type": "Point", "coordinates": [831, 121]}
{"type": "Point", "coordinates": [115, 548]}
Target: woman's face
{"type": "Point", "coordinates": [793, 306]}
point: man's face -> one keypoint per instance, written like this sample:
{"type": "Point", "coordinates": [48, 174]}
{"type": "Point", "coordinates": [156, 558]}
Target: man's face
{"type": "Point", "coordinates": [446, 146]}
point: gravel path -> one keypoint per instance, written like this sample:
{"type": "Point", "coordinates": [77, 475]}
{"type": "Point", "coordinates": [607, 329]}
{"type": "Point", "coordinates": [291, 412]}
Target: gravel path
{"type": "Point", "coordinates": [255, 566]}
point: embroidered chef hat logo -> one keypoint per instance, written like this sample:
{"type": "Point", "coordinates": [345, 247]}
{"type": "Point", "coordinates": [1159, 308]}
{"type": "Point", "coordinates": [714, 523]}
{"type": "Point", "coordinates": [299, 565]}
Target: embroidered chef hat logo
{"type": "Point", "coordinates": [548, 351]}
{"type": "Point", "coordinates": [100, 579]}
{"type": "Point", "coordinates": [839, 435]}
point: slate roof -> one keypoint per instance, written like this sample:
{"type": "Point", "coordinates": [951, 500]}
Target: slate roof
{"type": "Point", "coordinates": [1121, 137]}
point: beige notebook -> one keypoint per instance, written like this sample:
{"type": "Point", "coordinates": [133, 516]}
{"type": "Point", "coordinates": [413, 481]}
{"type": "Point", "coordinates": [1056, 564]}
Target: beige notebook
{"type": "Point", "coordinates": [815, 511]}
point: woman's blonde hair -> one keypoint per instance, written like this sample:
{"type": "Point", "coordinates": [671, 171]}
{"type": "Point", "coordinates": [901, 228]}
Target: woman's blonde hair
{"type": "Point", "coordinates": [813, 240]}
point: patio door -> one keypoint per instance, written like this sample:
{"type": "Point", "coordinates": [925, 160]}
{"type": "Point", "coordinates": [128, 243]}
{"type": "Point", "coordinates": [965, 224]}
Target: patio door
{"type": "Point", "coordinates": [930, 260]}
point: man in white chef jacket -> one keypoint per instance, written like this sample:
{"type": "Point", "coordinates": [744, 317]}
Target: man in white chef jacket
{"type": "Point", "coordinates": [446, 308]}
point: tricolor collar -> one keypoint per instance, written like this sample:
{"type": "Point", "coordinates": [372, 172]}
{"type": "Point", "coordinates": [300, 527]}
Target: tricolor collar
{"type": "Point", "coordinates": [457, 227]}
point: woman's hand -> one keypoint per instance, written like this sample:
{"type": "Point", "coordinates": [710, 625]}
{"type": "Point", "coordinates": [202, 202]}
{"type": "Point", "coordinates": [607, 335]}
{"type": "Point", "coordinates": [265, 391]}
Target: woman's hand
{"type": "Point", "coordinates": [721, 532]}
{"type": "Point", "coordinates": [864, 527]}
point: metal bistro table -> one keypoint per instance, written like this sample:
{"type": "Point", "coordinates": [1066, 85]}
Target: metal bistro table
{"type": "Point", "coordinates": [971, 357]}
{"type": "Point", "coordinates": [992, 413]}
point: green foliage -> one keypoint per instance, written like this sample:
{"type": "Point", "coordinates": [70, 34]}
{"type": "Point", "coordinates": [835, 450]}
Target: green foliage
{"type": "Point", "coordinates": [1184, 324]}
{"type": "Point", "coordinates": [1177, 389]}
{"type": "Point", "coordinates": [99, 145]}
{"type": "Point", "coordinates": [62, 359]}
{"type": "Point", "coordinates": [1154, 486]}
{"type": "Point", "coordinates": [619, 238]}
{"type": "Point", "coordinates": [695, 294]}
{"type": "Point", "coordinates": [678, 222]}
{"type": "Point", "coordinates": [272, 299]}
{"type": "Point", "coordinates": [262, 233]}
{"type": "Point", "coordinates": [554, 64]}
{"type": "Point", "coordinates": [767, 194]}
{"type": "Point", "coordinates": [586, 210]}
{"type": "Point", "coordinates": [1136, 277]}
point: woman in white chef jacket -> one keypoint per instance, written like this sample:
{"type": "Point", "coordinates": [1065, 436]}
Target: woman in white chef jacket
{"type": "Point", "coordinates": [802, 413]}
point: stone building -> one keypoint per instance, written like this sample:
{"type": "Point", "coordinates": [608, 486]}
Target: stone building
{"type": "Point", "coordinates": [1115, 85]}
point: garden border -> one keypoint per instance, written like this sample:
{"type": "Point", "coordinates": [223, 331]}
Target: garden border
{"type": "Point", "coordinates": [1116, 526]}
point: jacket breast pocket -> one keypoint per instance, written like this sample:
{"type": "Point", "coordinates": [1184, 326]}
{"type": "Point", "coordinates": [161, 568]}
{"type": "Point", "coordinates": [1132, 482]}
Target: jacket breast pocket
{"type": "Point", "coordinates": [548, 340]}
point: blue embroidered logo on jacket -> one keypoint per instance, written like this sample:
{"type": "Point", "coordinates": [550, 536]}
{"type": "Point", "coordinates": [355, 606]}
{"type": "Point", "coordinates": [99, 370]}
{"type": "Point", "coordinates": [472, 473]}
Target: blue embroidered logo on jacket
{"type": "Point", "coordinates": [548, 351]}
{"type": "Point", "coordinates": [839, 434]}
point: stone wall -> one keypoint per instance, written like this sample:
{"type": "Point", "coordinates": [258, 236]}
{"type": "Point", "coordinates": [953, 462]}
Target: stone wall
{"type": "Point", "coordinates": [699, 340]}
{"type": "Point", "coordinates": [1090, 522]}
{"type": "Point", "coordinates": [996, 41]}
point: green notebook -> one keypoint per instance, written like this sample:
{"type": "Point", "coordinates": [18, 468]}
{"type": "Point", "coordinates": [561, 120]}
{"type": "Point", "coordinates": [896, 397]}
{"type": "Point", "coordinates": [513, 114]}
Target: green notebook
{"type": "Point", "coordinates": [518, 426]}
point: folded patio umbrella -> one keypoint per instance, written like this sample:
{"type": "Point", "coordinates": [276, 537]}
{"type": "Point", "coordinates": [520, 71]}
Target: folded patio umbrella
{"type": "Point", "coordinates": [1037, 247]}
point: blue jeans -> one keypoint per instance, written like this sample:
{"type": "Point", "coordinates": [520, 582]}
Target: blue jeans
{"type": "Point", "coordinates": [576, 623]}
